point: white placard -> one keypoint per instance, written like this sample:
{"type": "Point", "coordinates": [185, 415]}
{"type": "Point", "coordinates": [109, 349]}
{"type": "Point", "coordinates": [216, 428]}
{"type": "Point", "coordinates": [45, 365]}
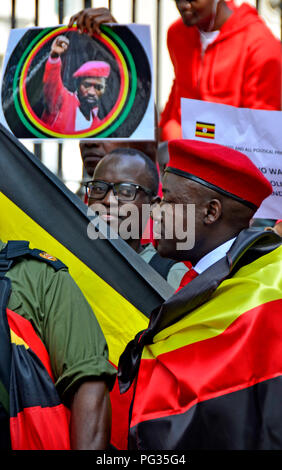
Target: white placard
{"type": "Point", "coordinates": [256, 133]}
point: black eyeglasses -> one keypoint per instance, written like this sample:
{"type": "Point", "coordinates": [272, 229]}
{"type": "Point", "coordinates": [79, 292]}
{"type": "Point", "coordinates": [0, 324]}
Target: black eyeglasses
{"type": "Point", "coordinates": [123, 191]}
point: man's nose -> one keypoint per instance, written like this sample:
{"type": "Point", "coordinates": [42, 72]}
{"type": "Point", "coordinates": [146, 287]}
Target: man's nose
{"type": "Point", "coordinates": [92, 91]}
{"type": "Point", "coordinates": [110, 198]}
{"type": "Point", "coordinates": [185, 5]}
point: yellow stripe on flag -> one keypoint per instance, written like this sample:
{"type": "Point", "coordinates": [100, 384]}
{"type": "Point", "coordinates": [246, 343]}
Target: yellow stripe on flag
{"type": "Point", "coordinates": [205, 125]}
{"type": "Point", "coordinates": [17, 340]}
{"type": "Point", "coordinates": [112, 310]}
{"type": "Point", "coordinates": [253, 285]}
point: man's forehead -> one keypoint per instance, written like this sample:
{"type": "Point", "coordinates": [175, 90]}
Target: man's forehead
{"type": "Point", "coordinates": [178, 186]}
{"type": "Point", "coordinates": [147, 147]}
{"type": "Point", "coordinates": [93, 79]}
{"type": "Point", "coordinates": [171, 181]}
{"type": "Point", "coordinates": [122, 167]}
{"type": "Point", "coordinates": [123, 161]}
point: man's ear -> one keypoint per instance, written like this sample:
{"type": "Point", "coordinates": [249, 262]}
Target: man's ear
{"type": "Point", "coordinates": [213, 211]}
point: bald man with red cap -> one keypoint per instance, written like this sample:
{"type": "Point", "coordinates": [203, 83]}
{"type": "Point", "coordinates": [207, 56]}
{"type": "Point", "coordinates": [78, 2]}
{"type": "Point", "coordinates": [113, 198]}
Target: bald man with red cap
{"type": "Point", "coordinates": [208, 370]}
{"type": "Point", "coordinates": [66, 112]}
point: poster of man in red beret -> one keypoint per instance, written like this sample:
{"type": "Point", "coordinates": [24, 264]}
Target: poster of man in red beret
{"type": "Point", "coordinates": [67, 112]}
{"type": "Point", "coordinates": [58, 83]}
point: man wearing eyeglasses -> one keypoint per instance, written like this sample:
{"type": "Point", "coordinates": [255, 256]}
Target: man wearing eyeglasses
{"type": "Point", "coordinates": [124, 187]}
{"type": "Point", "coordinates": [66, 112]}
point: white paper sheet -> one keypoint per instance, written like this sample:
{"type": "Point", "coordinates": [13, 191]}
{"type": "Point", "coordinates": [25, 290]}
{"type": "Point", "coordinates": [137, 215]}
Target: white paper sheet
{"type": "Point", "coordinates": [256, 133]}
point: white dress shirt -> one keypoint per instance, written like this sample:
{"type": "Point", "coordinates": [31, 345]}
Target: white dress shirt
{"type": "Point", "coordinates": [213, 256]}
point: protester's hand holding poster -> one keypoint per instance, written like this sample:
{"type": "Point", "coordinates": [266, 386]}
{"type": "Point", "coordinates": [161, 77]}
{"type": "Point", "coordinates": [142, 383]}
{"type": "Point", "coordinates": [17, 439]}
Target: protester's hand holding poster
{"type": "Point", "coordinates": [256, 133]}
{"type": "Point", "coordinates": [58, 83]}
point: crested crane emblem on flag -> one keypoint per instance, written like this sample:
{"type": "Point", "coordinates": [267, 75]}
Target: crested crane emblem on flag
{"type": "Point", "coordinates": [205, 129]}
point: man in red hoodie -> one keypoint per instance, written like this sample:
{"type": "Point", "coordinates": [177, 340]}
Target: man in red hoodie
{"type": "Point", "coordinates": [224, 54]}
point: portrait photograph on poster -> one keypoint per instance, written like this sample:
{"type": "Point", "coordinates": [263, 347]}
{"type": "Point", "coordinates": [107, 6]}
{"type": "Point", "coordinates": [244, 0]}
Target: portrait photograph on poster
{"type": "Point", "coordinates": [58, 83]}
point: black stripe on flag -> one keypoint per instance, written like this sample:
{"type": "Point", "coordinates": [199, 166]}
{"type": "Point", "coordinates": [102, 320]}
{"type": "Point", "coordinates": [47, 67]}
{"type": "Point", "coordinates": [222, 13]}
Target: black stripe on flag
{"type": "Point", "coordinates": [248, 419]}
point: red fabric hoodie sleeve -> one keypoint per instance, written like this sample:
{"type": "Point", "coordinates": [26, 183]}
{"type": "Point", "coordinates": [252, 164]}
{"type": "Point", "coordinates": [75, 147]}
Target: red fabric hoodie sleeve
{"type": "Point", "coordinates": [262, 80]}
{"type": "Point", "coordinates": [54, 89]}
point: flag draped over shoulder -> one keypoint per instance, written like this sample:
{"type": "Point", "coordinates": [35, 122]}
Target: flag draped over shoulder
{"type": "Point", "coordinates": [32, 416]}
{"type": "Point", "coordinates": [33, 397]}
{"type": "Point", "coordinates": [210, 375]}
{"type": "Point", "coordinates": [36, 206]}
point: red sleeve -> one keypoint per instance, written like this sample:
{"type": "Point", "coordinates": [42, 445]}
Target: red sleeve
{"type": "Point", "coordinates": [54, 90]}
{"type": "Point", "coordinates": [262, 79]}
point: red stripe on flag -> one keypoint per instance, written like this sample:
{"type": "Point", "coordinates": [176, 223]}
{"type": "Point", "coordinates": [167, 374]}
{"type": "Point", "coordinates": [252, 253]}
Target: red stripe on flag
{"type": "Point", "coordinates": [30, 432]}
{"type": "Point", "coordinates": [23, 328]}
{"type": "Point", "coordinates": [249, 351]}
{"type": "Point", "coordinates": [120, 416]}
{"type": "Point", "coordinates": [201, 129]}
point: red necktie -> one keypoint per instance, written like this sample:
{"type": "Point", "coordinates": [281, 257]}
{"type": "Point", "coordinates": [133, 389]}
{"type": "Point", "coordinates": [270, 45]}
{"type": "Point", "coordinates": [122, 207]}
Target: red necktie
{"type": "Point", "coordinates": [191, 274]}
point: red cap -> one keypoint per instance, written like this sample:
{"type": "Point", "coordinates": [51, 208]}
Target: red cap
{"type": "Point", "coordinates": [223, 169]}
{"type": "Point", "coordinates": [93, 68]}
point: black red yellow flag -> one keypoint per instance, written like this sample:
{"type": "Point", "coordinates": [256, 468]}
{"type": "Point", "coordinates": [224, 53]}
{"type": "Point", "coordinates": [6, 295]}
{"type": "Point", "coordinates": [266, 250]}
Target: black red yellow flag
{"type": "Point", "coordinates": [40, 403]}
{"type": "Point", "coordinates": [212, 366]}
{"type": "Point", "coordinates": [205, 129]}
{"type": "Point", "coordinates": [36, 206]}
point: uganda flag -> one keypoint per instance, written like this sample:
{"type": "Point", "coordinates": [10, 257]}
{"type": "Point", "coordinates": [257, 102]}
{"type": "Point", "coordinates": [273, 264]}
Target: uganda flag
{"type": "Point", "coordinates": [210, 375]}
{"type": "Point", "coordinates": [34, 400]}
{"type": "Point", "coordinates": [205, 129]}
{"type": "Point", "coordinates": [120, 287]}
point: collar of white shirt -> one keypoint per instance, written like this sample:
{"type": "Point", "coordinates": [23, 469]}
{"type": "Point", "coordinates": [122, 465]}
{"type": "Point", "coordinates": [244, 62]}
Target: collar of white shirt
{"type": "Point", "coordinates": [81, 122]}
{"type": "Point", "coordinates": [213, 256]}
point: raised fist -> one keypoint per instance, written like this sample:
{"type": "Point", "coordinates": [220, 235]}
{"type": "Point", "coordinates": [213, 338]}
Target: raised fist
{"type": "Point", "coordinates": [59, 46]}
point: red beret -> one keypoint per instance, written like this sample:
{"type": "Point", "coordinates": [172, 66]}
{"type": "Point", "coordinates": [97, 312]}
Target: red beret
{"type": "Point", "coordinates": [93, 68]}
{"type": "Point", "coordinates": [220, 168]}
